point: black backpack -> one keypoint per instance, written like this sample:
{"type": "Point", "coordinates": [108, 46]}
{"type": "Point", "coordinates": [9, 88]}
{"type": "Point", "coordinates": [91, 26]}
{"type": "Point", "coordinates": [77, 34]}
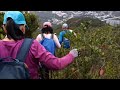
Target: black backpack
{"type": "Point", "coordinates": [16, 68]}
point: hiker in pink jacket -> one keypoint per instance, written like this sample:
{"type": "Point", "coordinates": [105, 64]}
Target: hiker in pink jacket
{"type": "Point", "coordinates": [14, 25]}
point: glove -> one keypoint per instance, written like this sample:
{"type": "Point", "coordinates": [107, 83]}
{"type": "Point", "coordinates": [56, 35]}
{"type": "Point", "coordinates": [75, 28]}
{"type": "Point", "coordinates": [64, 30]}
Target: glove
{"type": "Point", "coordinates": [74, 52]}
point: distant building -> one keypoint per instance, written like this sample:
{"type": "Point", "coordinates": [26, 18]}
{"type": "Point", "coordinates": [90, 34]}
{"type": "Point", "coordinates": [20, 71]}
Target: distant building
{"type": "Point", "coordinates": [113, 22]}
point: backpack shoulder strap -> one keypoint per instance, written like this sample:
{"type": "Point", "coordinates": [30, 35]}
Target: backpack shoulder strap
{"type": "Point", "coordinates": [52, 36]}
{"type": "Point", "coordinates": [42, 36]}
{"type": "Point", "coordinates": [24, 49]}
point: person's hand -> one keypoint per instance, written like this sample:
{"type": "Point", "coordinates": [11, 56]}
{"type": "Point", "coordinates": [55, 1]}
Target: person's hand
{"type": "Point", "coordinates": [74, 52]}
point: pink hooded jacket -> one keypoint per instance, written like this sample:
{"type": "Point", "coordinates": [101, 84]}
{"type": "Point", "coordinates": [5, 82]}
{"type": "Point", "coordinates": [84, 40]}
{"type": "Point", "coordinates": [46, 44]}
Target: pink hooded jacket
{"type": "Point", "coordinates": [37, 53]}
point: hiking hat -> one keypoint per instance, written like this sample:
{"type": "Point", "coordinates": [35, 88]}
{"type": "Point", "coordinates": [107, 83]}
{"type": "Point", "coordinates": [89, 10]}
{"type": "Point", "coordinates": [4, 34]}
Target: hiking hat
{"type": "Point", "coordinates": [65, 25]}
{"type": "Point", "coordinates": [17, 16]}
{"type": "Point", "coordinates": [47, 23]}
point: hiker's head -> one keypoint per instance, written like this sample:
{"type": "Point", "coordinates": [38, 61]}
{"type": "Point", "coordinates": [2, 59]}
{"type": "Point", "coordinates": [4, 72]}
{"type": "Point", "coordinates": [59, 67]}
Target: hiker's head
{"type": "Point", "coordinates": [46, 29]}
{"type": "Point", "coordinates": [47, 24]}
{"type": "Point", "coordinates": [65, 26]}
{"type": "Point", "coordinates": [14, 24]}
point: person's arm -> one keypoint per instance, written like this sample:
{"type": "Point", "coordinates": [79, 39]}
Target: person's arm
{"type": "Point", "coordinates": [61, 37]}
{"type": "Point", "coordinates": [49, 60]}
{"type": "Point", "coordinates": [56, 41]}
{"type": "Point", "coordinates": [38, 38]}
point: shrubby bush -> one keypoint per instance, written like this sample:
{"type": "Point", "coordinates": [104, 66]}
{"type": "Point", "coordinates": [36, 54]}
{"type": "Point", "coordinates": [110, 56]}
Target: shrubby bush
{"type": "Point", "coordinates": [99, 58]}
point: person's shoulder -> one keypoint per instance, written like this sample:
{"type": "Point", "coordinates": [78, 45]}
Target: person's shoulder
{"type": "Point", "coordinates": [62, 32]}
{"type": "Point", "coordinates": [35, 42]}
{"type": "Point", "coordinates": [1, 41]}
{"type": "Point", "coordinates": [35, 45]}
{"type": "Point", "coordinates": [54, 35]}
{"type": "Point", "coordinates": [39, 34]}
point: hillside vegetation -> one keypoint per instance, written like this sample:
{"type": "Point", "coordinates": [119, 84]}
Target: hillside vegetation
{"type": "Point", "coordinates": [99, 47]}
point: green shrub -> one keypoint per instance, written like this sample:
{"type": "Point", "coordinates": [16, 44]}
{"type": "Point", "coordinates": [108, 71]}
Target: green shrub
{"type": "Point", "coordinates": [33, 24]}
{"type": "Point", "coordinates": [99, 47]}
